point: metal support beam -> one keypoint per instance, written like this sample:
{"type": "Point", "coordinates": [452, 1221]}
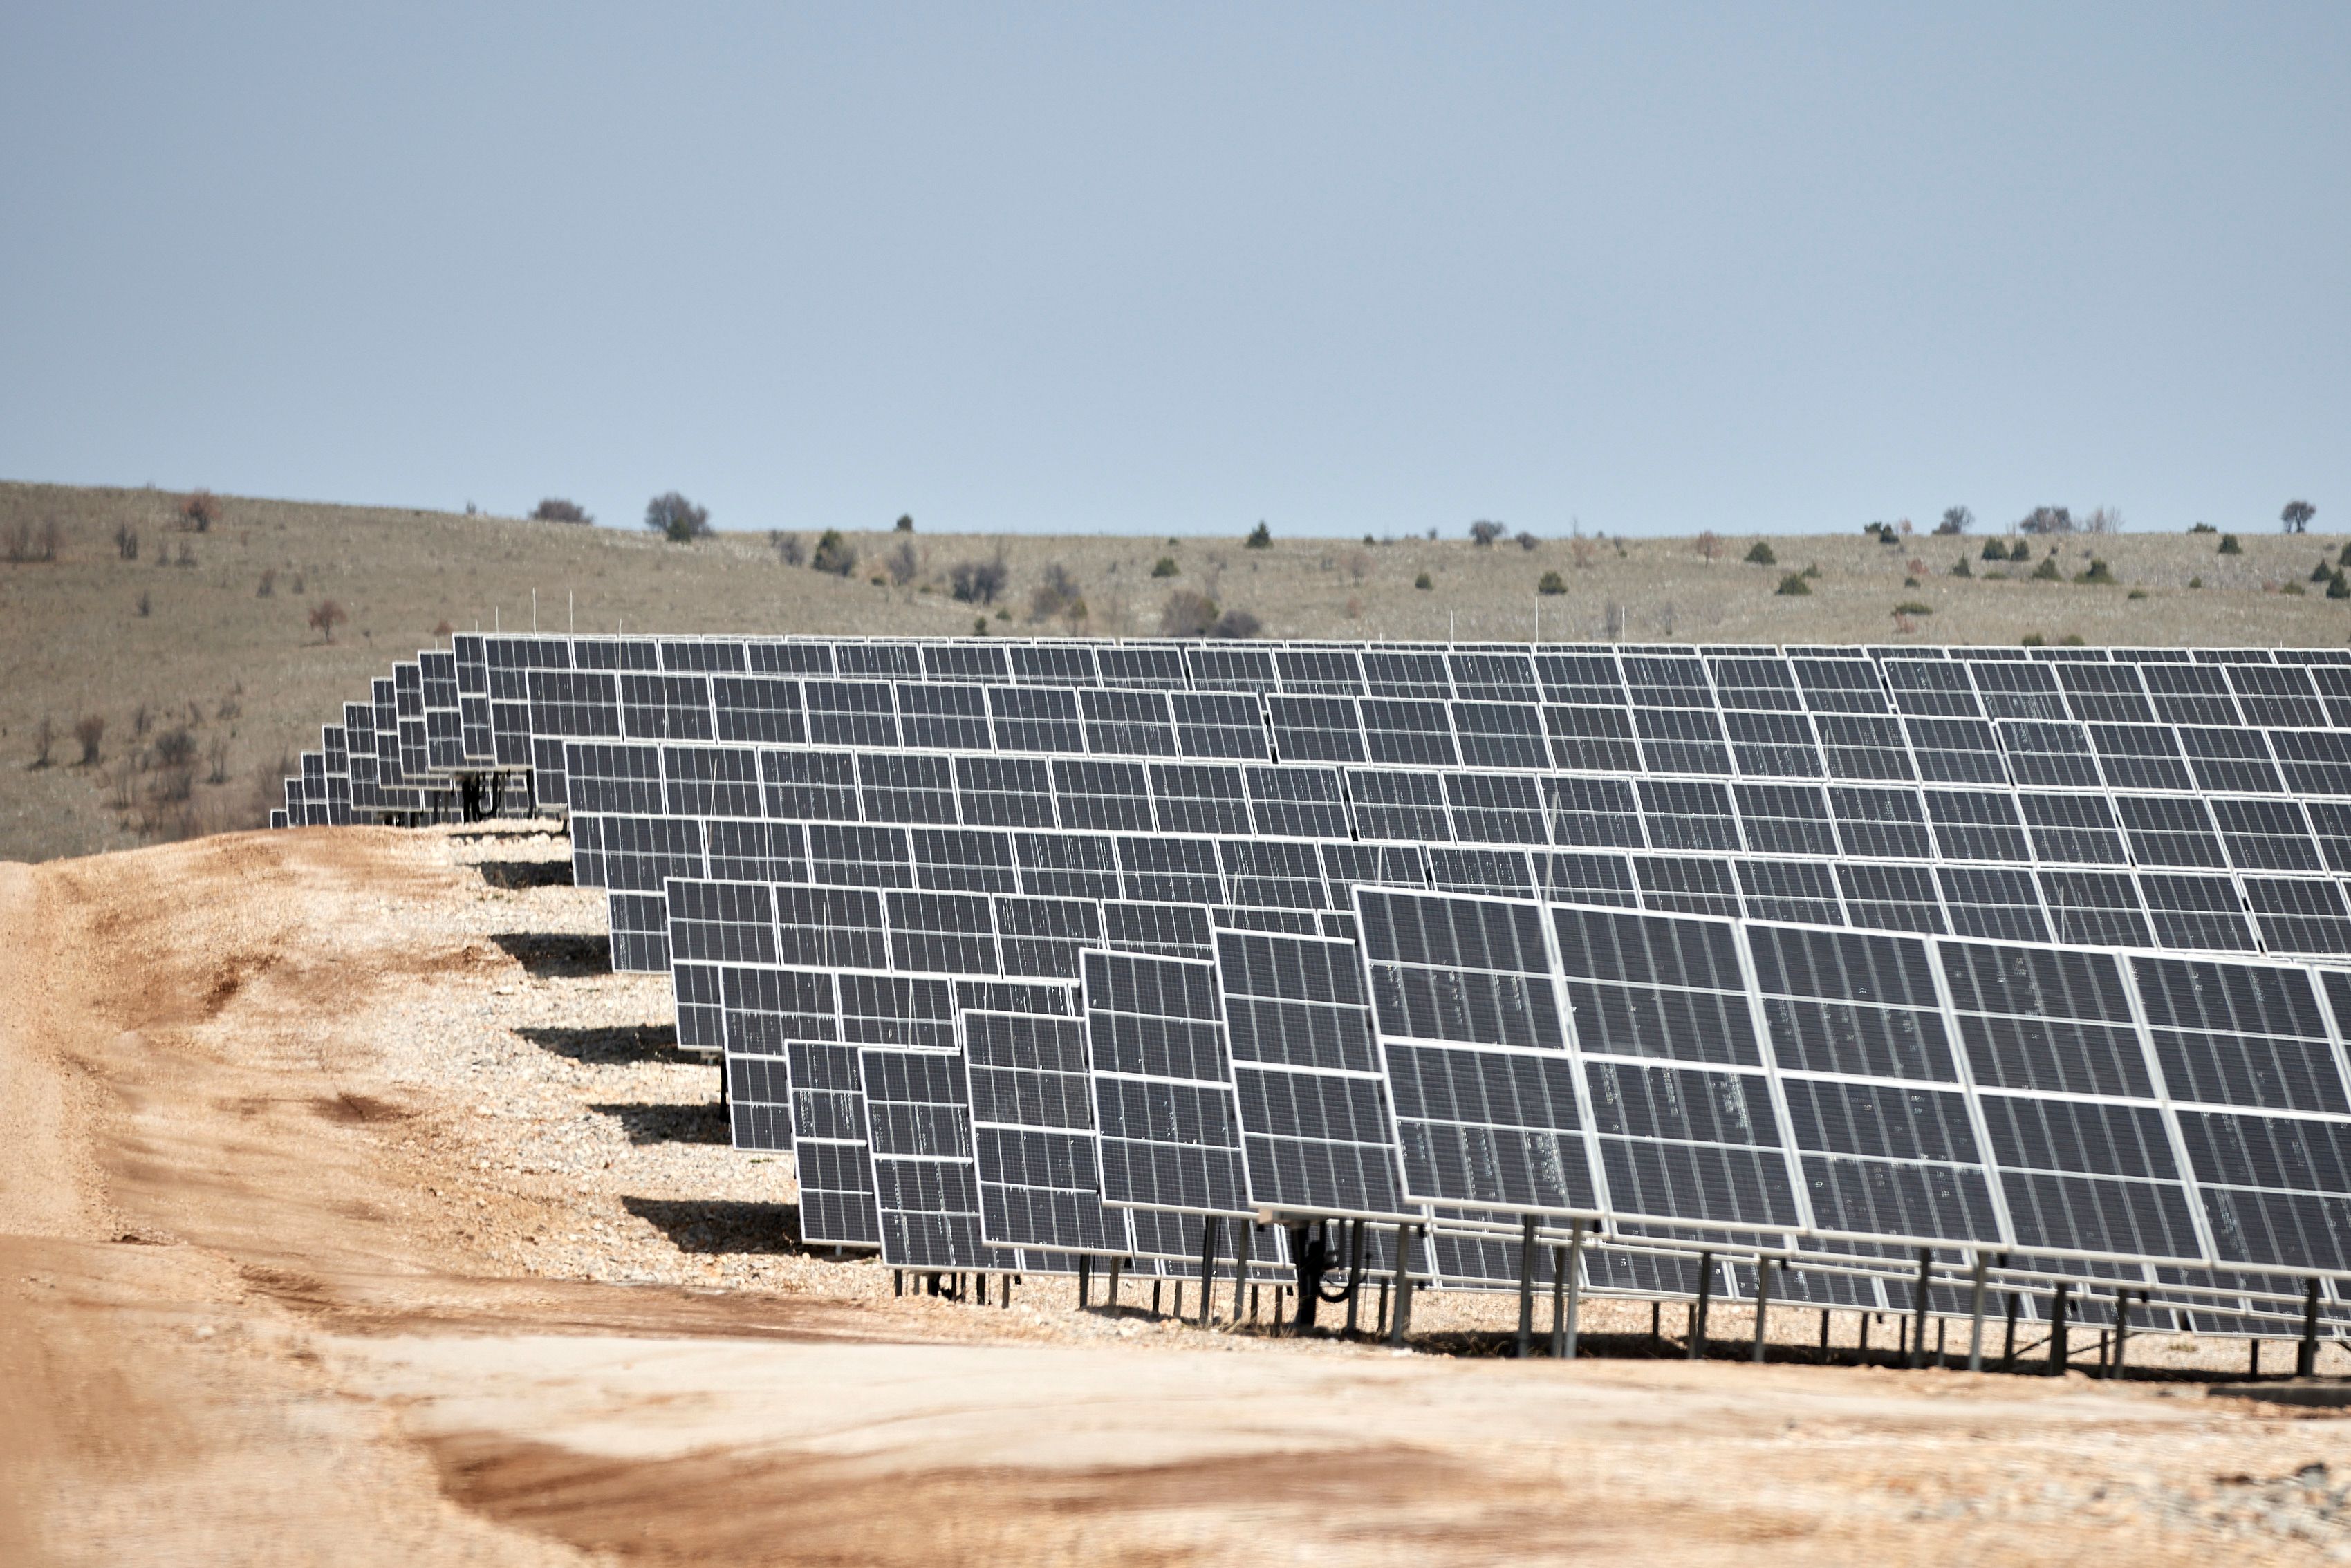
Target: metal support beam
{"type": "Point", "coordinates": [1575, 1288]}
{"type": "Point", "coordinates": [2122, 1330]}
{"type": "Point", "coordinates": [1975, 1315]}
{"type": "Point", "coordinates": [1402, 1312]}
{"type": "Point", "coordinates": [1526, 1341]}
{"type": "Point", "coordinates": [1355, 1273]}
{"type": "Point", "coordinates": [1919, 1317]}
{"type": "Point", "coordinates": [2058, 1354]}
{"type": "Point", "coordinates": [1762, 1303]}
{"type": "Point", "coordinates": [1698, 1311]}
{"type": "Point", "coordinates": [1209, 1229]}
{"type": "Point", "coordinates": [2305, 1358]}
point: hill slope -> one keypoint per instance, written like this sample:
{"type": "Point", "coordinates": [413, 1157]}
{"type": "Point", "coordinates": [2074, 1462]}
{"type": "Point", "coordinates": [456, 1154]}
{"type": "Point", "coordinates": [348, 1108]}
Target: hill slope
{"type": "Point", "coordinates": [251, 681]}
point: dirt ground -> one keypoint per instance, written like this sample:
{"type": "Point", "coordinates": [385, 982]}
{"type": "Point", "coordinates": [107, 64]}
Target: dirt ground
{"type": "Point", "coordinates": [351, 1213]}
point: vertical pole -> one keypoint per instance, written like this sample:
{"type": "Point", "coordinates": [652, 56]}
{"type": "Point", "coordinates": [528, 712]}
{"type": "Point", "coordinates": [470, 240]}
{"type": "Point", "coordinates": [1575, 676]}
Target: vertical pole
{"type": "Point", "coordinates": [2305, 1359]}
{"type": "Point", "coordinates": [1698, 1308]}
{"type": "Point", "coordinates": [1762, 1303]}
{"type": "Point", "coordinates": [1918, 1335]}
{"type": "Point", "coordinates": [1403, 1284]}
{"type": "Point", "coordinates": [1656, 1331]}
{"type": "Point", "coordinates": [1208, 1229]}
{"type": "Point", "coordinates": [1941, 1362]}
{"type": "Point", "coordinates": [1575, 1288]}
{"type": "Point", "coordinates": [1975, 1316]}
{"type": "Point", "coordinates": [1155, 1297]}
{"type": "Point", "coordinates": [1865, 1338]}
{"type": "Point", "coordinates": [1355, 1273]}
{"type": "Point", "coordinates": [2122, 1330]}
{"type": "Point", "coordinates": [2058, 1354]}
{"type": "Point", "coordinates": [1825, 1333]}
{"type": "Point", "coordinates": [1116, 1264]}
{"type": "Point", "coordinates": [1085, 1281]}
{"type": "Point", "coordinates": [898, 1281]}
{"type": "Point", "coordinates": [2253, 1361]}
{"type": "Point", "coordinates": [2008, 1342]}
{"type": "Point", "coordinates": [1179, 1300]}
{"type": "Point", "coordinates": [1380, 1321]}
{"type": "Point", "coordinates": [1558, 1302]}
{"type": "Point", "coordinates": [1526, 1342]}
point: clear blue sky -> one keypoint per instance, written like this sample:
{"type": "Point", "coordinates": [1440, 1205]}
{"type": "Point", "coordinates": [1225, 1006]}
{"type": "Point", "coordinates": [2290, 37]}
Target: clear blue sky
{"type": "Point", "coordinates": [1176, 268]}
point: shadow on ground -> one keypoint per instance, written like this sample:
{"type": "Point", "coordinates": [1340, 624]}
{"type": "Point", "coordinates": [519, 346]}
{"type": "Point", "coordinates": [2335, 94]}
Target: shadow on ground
{"type": "Point", "coordinates": [614, 1043]}
{"type": "Point", "coordinates": [669, 1123]}
{"type": "Point", "coordinates": [549, 955]}
{"type": "Point", "coordinates": [516, 876]}
{"type": "Point", "coordinates": [694, 1226]}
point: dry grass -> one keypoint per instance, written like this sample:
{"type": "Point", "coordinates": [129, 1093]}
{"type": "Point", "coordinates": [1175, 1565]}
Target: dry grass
{"type": "Point", "coordinates": [73, 642]}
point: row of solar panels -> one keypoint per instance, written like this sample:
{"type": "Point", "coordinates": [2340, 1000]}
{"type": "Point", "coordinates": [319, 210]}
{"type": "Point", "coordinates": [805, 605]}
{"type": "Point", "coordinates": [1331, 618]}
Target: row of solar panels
{"type": "Point", "coordinates": [2157, 1121]}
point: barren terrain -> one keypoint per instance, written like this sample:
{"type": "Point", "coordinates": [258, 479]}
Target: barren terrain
{"type": "Point", "coordinates": [352, 1213]}
{"type": "Point", "coordinates": [184, 637]}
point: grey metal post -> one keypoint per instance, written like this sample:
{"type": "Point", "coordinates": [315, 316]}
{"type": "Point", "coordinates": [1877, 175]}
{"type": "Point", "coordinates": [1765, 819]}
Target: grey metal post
{"type": "Point", "coordinates": [2058, 1354]}
{"type": "Point", "coordinates": [1116, 1264]}
{"type": "Point", "coordinates": [1085, 1281]}
{"type": "Point", "coordinates": [1698, 1311]}
{"type": "Point", "coordinates": [1403, 1308]}
{"type": "Point", "coordinates": [2008, 1341]}
{"type": "Point", "coordinates": [1762, 1303]}
{"type": "Point", "coordinates": [2122, 1332]}
{"type": "Point", "coordinates": [2305, 1359]}
{"type": "Point", "coordinates": [1558, 1302]}
{"type": "Point", "coordinates": [1355, 1273]}
{"type": "Point", "coordinates": [1575, 1288]}
{"type": "Point", "coordinates": [1975, 1326]}
{"type": "Point", "coordinates": [1525, 1343]}
{"type": "Point", "coordinates": [1209, 1229]}
{"type": "Point", "coordinates": [1917, 1349]}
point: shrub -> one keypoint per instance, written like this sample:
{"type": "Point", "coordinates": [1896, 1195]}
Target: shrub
{"type": "Point", "coordinates": [977, 581]}
{"type": "Point", "coordinates": [325, 616]}
{"type": "Point", "coordinates": [902, 563]}
{"type": "Point", "coordinates": [1527, 542]}
{"type": "Point", "coordinates": [174, 748]}
{"type": "Point", "coordinates": [2195, 582]}
{"type": "Point", "coordinates": [1164, 567]}
{"type": "Point", "coordinates": [88, 730]}
{"type": "Point", "coordinates": [1912, 607]}
{"type": "Point", "coordinates": [2033, 640]}
{"type": "Point", "coordinates": [442, 629]}
{"type": "Point", "coordinates": [1794, 585]}
{"type": "Point", "coordinates": [1186, 613]}
{"type": "Point", "coordinates": [2099, 572]}
{"type": "Point", "coordinates": [1423, 583]}
{"type": "Point", "coordinates": [2344, 558]}
{"type": "Point", "coordinates": [833, 554]}
{"type": "Point", "coordinates": [788, 548]}
{"type": "Point", "coordinates": [1956, 521]}
{"type": "Point", "coordinates": [2337, 586]}
{"type": "Point", "coordinates": [44, 736]}
{"type": "Point", "coordinates": [28, 543]}
{"type": "Point", "coordinates": [140, 721]}
{"type": "Point", "coordinates": [1235, 623]}
{"type": "Point", "coordinates": [1960, 568]}
{"type": "Point", "coordinates": [1484, 532]}
{"type": "Point", "coordinates": [2293, 590]}
{"type": "Point", "coordinates": [1912, 582]}
{"type": "Point", "coordinates": [2047, 571]}
{"type": "Point", "coordinates": [2321, 571]}
{"type": "Point", "coordinates": [1552, 582]}
{"type": "Point", "coordinates": [200, 511]}
{"type": "Point", "coordinates": [1761, 555]}
{"type": "Point", "coordinates": [268, 584]}
{"type": "Point", "coordinates": [2136, 593]}
{"type": "Point", "coordinates": [677, 520]}
{"type": "Point", "coordinates": [2046, 520]}
{"type": "Point", "coordinates": [187, 553]}
{"type": "Point", "coordinates": [1261, 536]}
{"type": "Point", "coordinates": [216, 759]}
{"type": "Point", "coordinates": [1709, 545]}
{"type": "Point", "coordinates": [2203, 528]}
{"type": "Point", "coordinates": [1994, 550]}
{"type": "Point", "coordinates": [126, 541]}
{"type": "Point", "coordinates": [979, 625]}
{"type": "Point", "coordinates": [905, 524]}
{"type": "Point", "coordinates": [146, 606]}
{"type": "Point", "coordinates": [2020, 551]}
{"type": "Point", "coordinates": [1056, 597]}
{"type": "Point", "coordinates": [2071, 640]}
{"type": "Point", "coordinates": [1003, 614]}
{"type": "Point", "coordinates": [1813, 569]}
{"type": "Point", "coordinates": [2229, 545]}
{"type": "Point", "coordinates": [556, 510]}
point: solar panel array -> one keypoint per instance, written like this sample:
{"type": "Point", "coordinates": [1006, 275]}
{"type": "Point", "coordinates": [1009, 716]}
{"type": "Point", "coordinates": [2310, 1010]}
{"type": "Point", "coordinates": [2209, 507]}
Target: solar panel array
{"type": "Point", "coordinates": [976, 878]}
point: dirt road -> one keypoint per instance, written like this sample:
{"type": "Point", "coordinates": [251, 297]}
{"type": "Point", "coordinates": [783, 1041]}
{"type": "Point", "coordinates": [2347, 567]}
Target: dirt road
{"type": "Point", "coordinates": [349, 1214]}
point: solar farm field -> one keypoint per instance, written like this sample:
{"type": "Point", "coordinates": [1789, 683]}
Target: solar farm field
{"type": "Point", "coordinates": [355, 1211]}
{"type": "Point", "coordinates": [209, 633]}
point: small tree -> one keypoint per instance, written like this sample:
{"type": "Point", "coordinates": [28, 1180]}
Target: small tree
{"type": "Point", "coordinates": [2020, 551]}
{"type": "Point", "coordinates": [677, 520]}
{"type": "Point", "coordinates": [1960, 568]}
{"type": "Point", "coordinates": [902, 563]}
{"type": "Point", "coordinates": [1164, 567]}
{"type": "Point", "coordinates": [199, 511]}
{"type": "Point", "coordinates": [1423, 583]}
{"type": "Point", "coordinates": [1236, 623]}
{"type": "Point", "coordinates": [89, 731]}
{"type": "Point", "coordinates": [2229, 545]}
{"type": "Point", "coordinates": [1794, 585]}
{"type": "Point", "coordinates": [1056, 597]}
{"type": "Point", "coordinates": [833, 554]}
{"type": "Point", "coordinates": [1709, 545]}
{"type": "Point", "coordinates": [1261, 536]}
{"type": "Point", "coordinates": [1527, 542]}
{"type": "Point", "coordinates": [1994, 550]}
{"type": "Point", "coordinates": [2296, 517]}
{"type": "Point", "coordinates": [556, 510]}
{"type": "Point", "coordinates": [1550, 583]}
{"type": "Point", "coordinates": [2047, 571]}
{"type": "Point", "coordinates": [906, 522]}
{"type": "Point", "coordinates": [788, 548]}
{"type": "Point", "coordinates": [126, 541]}
{"type": "Point", "coordinates": [2337, 586]}
{"type": "Point", "coordinates": [44, 736]}
{"type": "Point", "coordinates": [1761, 555]}
{"type": "Point", "coordinates": [977, 581]}
{"type": "Point", "coordinates": [1484, 532]}
{"type": "Point", "coordinates": [1186, 613]}
{"type": "Point", "coordinates": [325, 616]}
{"type": "Point", "coordinates": [268, 585]}
{"type": "Point", "coordinates": [1956, 521]}
{"type": "Point", "coordinates": [216, 759]}
{"type": "Point", "coordinates": [2046, 520]}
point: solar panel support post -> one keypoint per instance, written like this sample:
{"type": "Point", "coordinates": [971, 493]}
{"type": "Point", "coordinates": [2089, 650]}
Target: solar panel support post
{"type": "Point", "coordinates": [1526, 1342]}
{"type": "Point", "coordinates": [1116, 1264]}
{"type": "Point", "coordinates": [2058, 1354]}
{"type": "Point", "coordinates": [2305, 1357]}
{"type": "Point", "coordinates": [2122, 1332]}
{"type": "Point", "coordinates": [1918, 1332]}
{"type": "Point", "coordinates": [1355, 1273]}
{"type": "Point", "coordinates": [1697, 1308]}
{"type": "Point", "coordinates": [2253, 1358]}
{"type": "Point", "coordinates": [1402, 1313]}
{"type": "Point", "coordinates": [1574, 1271]}
{"type": "Point", "coordinates": [1208, 1230]}
{"type": "Point", "coordinates": [1085, 1281]}
{"type": "Point", "coordinates": [1975, 1315]}
{"type": "Point", "coordinates": [1558, 1302]}
{"type": "Point", "coordinates": [2008, 1341]}
{"type": "Point", "coordinates": [1762, 1303]}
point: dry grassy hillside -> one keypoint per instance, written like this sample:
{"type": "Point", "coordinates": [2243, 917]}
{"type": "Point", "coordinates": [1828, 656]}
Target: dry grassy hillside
{"type": "Point", "coordinates": [185, 635]}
